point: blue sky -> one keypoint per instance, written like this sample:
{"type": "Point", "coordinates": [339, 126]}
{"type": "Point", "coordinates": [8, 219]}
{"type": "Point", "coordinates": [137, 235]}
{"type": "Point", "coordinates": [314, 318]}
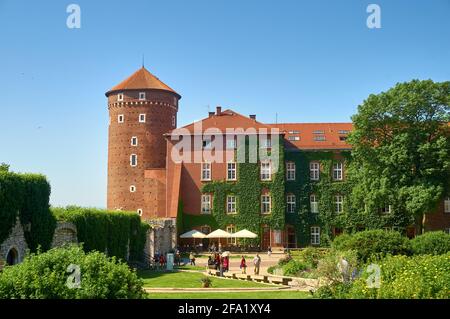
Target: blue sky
{"type": "Point", "coordinates": [308, 61]}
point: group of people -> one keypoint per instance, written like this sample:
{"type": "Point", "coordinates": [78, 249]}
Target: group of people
{"type": "Point", "coordinates": [160, 260]}
{"type": "Point", "coordinates": [219, 262]}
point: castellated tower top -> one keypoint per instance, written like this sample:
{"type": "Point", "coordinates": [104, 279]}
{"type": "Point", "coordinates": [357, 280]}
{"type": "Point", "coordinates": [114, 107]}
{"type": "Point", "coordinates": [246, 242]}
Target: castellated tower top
{"type": "Point", "coordinates": [142, 79]}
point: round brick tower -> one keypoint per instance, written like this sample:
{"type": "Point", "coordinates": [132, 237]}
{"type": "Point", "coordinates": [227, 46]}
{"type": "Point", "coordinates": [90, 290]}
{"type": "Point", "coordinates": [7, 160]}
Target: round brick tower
{"type": "Point", "coordinates": [141, 110]}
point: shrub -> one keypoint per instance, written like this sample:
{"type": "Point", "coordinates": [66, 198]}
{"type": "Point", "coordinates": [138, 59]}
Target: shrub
{"type": "Point", "coordinates": [432, 243]}
{"type": "Point", "coordinates": [373, 242]}
{"type": "Point", "coordinates": [44, 276]}
{"type": "Point", "coordinates": [293, 268]}
{"type": "Point", "coordinates": [284, 261]}
{"type": "Point", "coordinates": [332, 266]}
{"type": "Point", "coordinates": [311, 256]}
{"type": "Point", "coordinates": [402, 277]}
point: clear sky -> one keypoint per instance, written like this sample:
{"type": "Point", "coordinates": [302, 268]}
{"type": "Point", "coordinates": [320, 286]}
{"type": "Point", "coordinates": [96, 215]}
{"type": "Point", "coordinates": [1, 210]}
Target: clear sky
{"type": "Point", "coordinates": [308, 61]}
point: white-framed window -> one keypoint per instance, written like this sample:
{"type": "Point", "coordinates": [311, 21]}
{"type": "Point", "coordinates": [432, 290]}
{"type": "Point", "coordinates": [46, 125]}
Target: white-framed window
{"type": "Point", "coordinates": [277, 236]}
{"type": "Point", "coordinates": [174, 121]}
{"type": "Point", "coordinates": [314, 171]}
{"type": "Point", "coordinates": [231, 204]}
{"type": "Point", "coordinates": [266, 206]}
{"type": "Point", "coordinates": [314, 204]}
{"type": "Point", "coordinates": [120, 97]}
{"type": "Point", "coordinates": [206, 204]}
{"type": "Point", "coordinates": [206, 143]}
{"type": "Point", "coordinates": [120, 118]}
{"type": "Point", "coordinates": [231, 229]}
{"type": "Point", "coordinates": [290, 203]}
{"type": "Point", "coordinates": [141, 96]}
{"type": "Point", "coordinates": [315, 235]}
{"type": "Point", "coordinates": [266, 171]}
{"type": "Point", "coordinates": [133, 160]}
{"type": "Point", "coordinates": [338, 203]}
{"type": "Point", "coordinates": [139, 211]}
{"type": "Point", "coordinates": [386, 209]}
{"type": "Point", "coordinates": [290, 171]}
{"type": "Point", "coordinates": [337, 171]}
{"type": "Point", "coordinates": [206, 171]}
{"type": "Point", "coordinates": [141, 118]}
{"type": "Point", "coordinates": [134, 141]}
{"type": "Point", "coordinates": [447, 205]}
{"type": "Point", "coordinates": [231, 171]}
{"type": "Point", "coordinates": [266, 142]}
{"type": "Point", "coordinates": [132, 189]}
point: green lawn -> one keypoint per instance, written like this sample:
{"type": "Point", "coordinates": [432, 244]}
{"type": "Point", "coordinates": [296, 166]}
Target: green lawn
{"type": "Point", "coordinates": [154, 279]}
{"type": "Point", "coordinates": [233, 295]}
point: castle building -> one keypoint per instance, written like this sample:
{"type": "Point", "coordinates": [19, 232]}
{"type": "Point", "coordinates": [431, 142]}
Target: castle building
{"type": "Point", "coordinates": [300, 201]}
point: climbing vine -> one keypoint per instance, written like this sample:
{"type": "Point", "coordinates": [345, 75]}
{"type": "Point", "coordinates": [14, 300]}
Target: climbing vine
{"type": "Point", "coordinates": [247, 189]}
{"type": "Point", "coordinates": [26, 196]}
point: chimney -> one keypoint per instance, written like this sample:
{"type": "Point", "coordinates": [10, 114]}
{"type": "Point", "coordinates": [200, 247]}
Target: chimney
{"type": "Point", "coordinates": [218, 110]}
{"type": "Point", "coordinates": [252, 116]}
{"type": "Point", "coordinates": [210, 114]}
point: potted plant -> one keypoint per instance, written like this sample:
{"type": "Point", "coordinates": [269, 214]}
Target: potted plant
{"type": "Point", "coordinates": [206, 282]}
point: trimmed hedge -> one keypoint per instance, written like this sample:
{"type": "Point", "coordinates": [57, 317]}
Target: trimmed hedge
{"type": "Point", "coordinates": [107, 231]}
{"type": "Point", "coordinates": [45, 276]}
{"type": "Point", "coordinates": [432, 243]}
{"type": "Point", "coordinates": [26, 196]}
{"type": "Point", "coordinates": [378, 243]}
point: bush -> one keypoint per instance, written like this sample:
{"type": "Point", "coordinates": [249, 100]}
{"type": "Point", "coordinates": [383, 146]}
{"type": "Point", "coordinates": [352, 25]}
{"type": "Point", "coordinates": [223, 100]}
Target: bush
{"type": "Point", "coordinates": [373, 243]}
{"type": "Point", "coordinates": [432, 243]}
{"type": "Point", "coordinates": [107, 231]}
{"type": "Point", "coordinates": [293, 268]}
{"type": "Point", "coordinates": [332, 266]}
{"type": "Point", "coordinates": [311, 256]}
{"type": "Point", "coordinates": [402, 277]}
{"type": "Point", "coordinates": [284, 261]}
{"type": "Point", "coordinates": [45, 276]}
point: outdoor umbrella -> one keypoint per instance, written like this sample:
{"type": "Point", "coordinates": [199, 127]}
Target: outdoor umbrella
{"type": "Point", "coordinates": [219, 233]}
{"type": "Point", "coordinates": [244, 234]}
{"type": "Point", "coordinates": [193, 234]}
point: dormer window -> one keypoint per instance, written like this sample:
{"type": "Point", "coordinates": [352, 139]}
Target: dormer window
{"type": "Point", "coordinates": [141, 96]}
{"type": "Point", "coordinates": [120, 97]}
{"type": "Point", "coordinates": [141, 118]}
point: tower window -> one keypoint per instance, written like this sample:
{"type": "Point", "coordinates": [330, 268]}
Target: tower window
{"type": "Point", "coordinates": [141, 96]}
{"type": "Point", "coordinates": [134, 141]}
{"type": "Point", "coordinates": [132, 189]}
{"type": "Point", "coordinates": [133, 160]}
{"type": "Point", "coordinates": [139, 211]}
{"type": "Point", "coordinates": [174, 121]}
{"type": "Point", "coordinates": [141, 118]}
{"type": "Point", "coordinates": [120, 97]}
{"type": "Point", "coordinates": [120, 118]}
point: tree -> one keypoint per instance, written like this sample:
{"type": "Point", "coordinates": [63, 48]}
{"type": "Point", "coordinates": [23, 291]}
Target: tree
{"type": "Point", "coordinates": [4, 167]}
{"type": "Point", "coordinates": [401, 152]}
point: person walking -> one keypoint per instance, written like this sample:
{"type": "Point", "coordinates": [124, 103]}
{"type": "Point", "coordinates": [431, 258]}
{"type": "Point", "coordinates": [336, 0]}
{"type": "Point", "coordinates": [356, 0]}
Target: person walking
{"type": "Point", "coordinates": [226, 263]}
{"type": "Point", "coordinates": [256, 263]}
{"type": "Point", "coordinates": [192, 258]}
{"type": "Point", "coordinates": [269, 251]}
{"type": "Point", "coordinates": [243, 265]}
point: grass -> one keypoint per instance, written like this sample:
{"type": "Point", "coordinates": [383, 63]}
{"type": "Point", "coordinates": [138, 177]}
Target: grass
{"type": "Point", "coordinates": [153, 279]}
{"type": "Point", "coordinates": [233, 295]}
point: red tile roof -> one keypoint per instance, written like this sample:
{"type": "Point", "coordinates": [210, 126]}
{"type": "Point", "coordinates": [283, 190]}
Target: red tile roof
{"type": "Point", "coordinates": [226, 119]}
{"type": "Point", "coordinates": [140, 80]}
{"type": "Point", "coordinates": [317, 136]}
{"type": "Point", "coordinates": [307, 136]}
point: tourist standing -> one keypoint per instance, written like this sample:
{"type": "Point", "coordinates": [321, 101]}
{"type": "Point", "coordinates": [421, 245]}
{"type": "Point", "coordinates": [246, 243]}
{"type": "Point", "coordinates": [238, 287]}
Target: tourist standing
{"type": "Point", "coordinates": [256, 263]}
{"type": "Point", "coordinates": [192, 258]}
{"type": "Point", "coordinates": [243, 265]}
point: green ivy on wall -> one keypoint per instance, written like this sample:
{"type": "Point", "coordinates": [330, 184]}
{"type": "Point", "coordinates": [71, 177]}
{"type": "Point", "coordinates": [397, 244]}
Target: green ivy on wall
{"type": "Point", "coordinates": [247, 189]}
{"type": "Point", "coordinates": [26, 196]}
{"type": "Point", "coordinates": [107, 231]}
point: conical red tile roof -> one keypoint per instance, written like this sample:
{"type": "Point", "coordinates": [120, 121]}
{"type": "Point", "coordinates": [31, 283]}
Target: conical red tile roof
{"type": "Point", "coordinates": [140, 80]}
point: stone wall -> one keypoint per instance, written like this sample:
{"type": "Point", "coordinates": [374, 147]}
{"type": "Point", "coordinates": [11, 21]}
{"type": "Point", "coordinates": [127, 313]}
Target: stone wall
{"type": "Point", "coordinates": [161, 238]}
{"type": "Point", "coordinates": [15, 244]}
